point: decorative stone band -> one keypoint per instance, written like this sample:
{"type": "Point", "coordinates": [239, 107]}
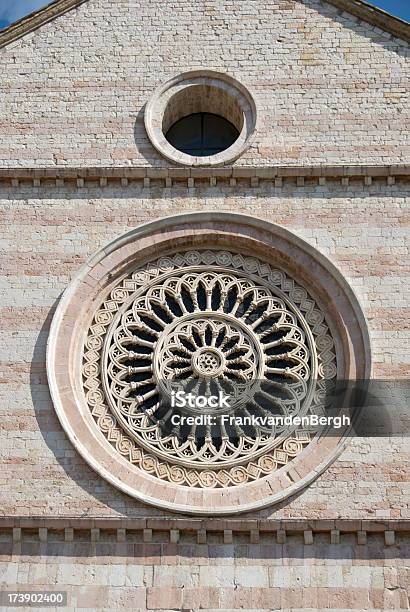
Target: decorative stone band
{"type": "Point", "coordinates": [277, 176]}
{"type": "Point", "coordinates": [222, 531]}
{"type": "Point", "coordinates": [94, 433]}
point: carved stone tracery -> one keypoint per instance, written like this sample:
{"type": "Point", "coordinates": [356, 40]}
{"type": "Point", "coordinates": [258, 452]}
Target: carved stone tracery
{"type": "Point", "coordinates": [206, 316]}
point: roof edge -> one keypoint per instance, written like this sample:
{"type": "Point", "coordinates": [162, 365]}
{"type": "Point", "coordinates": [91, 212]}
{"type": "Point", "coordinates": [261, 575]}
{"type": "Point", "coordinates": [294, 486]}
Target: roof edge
{"type": "Point", "coordinates": [375, 16]}
{"type": "Point", "coordinates": [359, 8]}
{"type": "Point", "coordinates": [35, 20]}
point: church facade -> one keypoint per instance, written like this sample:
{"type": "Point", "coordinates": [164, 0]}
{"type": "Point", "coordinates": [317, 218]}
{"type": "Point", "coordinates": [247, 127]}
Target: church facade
{"type": "Point", "coordinates": [194, 195]}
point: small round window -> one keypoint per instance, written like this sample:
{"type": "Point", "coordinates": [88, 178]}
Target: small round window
{"type": "Point", "coordinates": [202, 134]}
{"type": "Point", "coordinates": [201, 118]}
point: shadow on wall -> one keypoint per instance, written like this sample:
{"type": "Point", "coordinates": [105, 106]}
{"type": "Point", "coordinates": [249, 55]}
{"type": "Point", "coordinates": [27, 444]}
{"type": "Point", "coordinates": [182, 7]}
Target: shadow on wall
{"type": "Point", "coordinates": [102, 494]}
{"type": "Point", "coordinates": [187, 551]}
{"type": "Point", "coordinates": [144, 146]}
{"type": "Point", "coordinates": [357, 26]}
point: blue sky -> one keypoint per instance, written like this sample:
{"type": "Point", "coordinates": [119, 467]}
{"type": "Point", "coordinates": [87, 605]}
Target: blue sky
{"type": "Point", "coordinates": [12, 10]}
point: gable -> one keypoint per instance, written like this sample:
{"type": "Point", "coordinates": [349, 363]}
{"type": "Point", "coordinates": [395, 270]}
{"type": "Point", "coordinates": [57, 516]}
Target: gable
{"type": "Point", "coordinates": [35, 20]}
{"type": "Point", "coordinates": [329, 89]}
{"type": "Point", "coordinates": [375, 16]}
{"type": "Point", "coordinates": [358, 8]}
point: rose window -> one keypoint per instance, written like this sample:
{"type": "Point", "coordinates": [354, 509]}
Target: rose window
{"type": "Point", "coordinates": [186, 357]}
{"type": "Point", "coordinates": [204, 322]}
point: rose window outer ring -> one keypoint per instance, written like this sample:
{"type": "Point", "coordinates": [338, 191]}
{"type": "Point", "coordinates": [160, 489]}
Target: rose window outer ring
{"type": "Point", "coordinates": [89, 306]}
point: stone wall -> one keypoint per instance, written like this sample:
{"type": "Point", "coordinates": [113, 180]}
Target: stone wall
{"type": "Point", "coordinates": [329, 87]}
{"type": "Point", "coordinates": [49, 231]}
{"type": "Point", "coordinates": [160, 575]}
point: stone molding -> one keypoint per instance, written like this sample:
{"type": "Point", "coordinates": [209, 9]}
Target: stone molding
{"type": "Point", "coordinates": [190, 177]}
{"type": "Point", "coordinates": [98, 529]}
{"type": "Point", "coordinates": [370, 14]}
{"type": "Point", "coordinates": [205, 230]}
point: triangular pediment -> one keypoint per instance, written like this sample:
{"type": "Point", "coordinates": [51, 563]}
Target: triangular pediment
{"type": "Point", "coordinates": [362, 10]}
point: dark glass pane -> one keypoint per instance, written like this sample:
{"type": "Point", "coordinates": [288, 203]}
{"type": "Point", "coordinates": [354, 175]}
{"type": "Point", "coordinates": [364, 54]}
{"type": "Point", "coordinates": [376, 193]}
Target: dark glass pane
{"type": "Point", "coordinates": [186, 133]}
{"type": "Point", "coordinates": [202, 134]}
{"type": "Point", "coordinates": [218, 133]}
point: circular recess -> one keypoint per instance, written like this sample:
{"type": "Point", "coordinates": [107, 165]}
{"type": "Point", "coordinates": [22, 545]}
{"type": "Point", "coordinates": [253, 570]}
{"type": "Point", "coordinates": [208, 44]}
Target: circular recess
{"type": "Point", "coordinates": [199, 299]}
{"type": "Point", "coordinates": [201, 118]}
{"type": "Point", "coordinates": [202, 134]}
